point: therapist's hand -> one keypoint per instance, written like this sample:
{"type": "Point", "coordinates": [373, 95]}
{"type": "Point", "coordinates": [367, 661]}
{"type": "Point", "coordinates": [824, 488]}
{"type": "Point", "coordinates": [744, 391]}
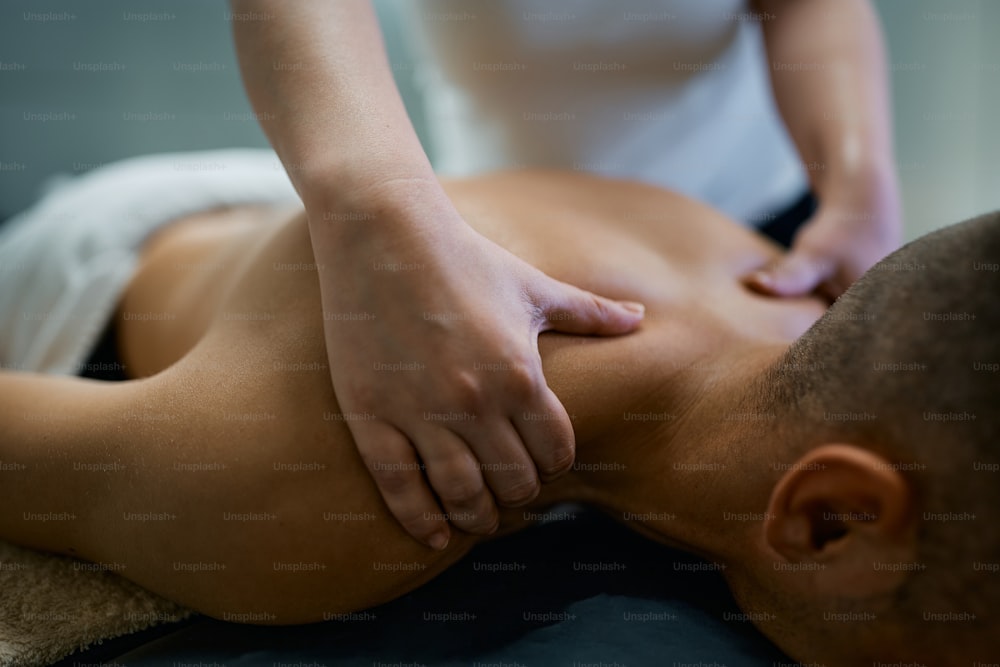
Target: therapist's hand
{"type": "Point", "coordinates": [855, 226]}
{"type": "Point", "coordinates": [432, 337]}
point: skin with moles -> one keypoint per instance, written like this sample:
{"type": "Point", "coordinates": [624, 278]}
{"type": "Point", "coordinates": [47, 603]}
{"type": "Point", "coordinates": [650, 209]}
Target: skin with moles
{"type": "Point", "coordinates": [232, 451]}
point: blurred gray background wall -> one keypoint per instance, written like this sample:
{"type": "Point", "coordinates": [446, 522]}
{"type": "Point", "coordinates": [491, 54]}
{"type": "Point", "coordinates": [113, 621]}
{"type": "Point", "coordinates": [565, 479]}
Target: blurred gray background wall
{"type": "Point", "coordinates": [82, 84]}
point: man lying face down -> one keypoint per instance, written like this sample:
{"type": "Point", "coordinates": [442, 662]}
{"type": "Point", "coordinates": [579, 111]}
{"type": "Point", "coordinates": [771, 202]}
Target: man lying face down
{"type": "Point", "coordinates": [827, 464]}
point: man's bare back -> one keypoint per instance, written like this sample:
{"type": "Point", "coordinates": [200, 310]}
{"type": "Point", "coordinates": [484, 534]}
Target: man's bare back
{"type": "Point", "coordinates": [233, 449]}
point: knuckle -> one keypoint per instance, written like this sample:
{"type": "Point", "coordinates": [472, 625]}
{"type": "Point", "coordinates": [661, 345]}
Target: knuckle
{"type": "Point", "coordinates": [519, 492]}
{"type": "Point", "coordinates": [392, 478]}
{"type": "Point", "coordinates": [459, 491]}
{"type": "Point", "coordinates": [481, 521]}
{"type": "Point", "coordinates": [522, 378]}
{"type": "Point", "coordinates": [486, 525]}
{"type": "Point", "coordinates": [600, 307]}
{"type": "Point", "coordinates": [467, 392]}
{"type": "Point", "coordinates": [416, 523]}
{"type": "Point", "coordinates": [560, 459]}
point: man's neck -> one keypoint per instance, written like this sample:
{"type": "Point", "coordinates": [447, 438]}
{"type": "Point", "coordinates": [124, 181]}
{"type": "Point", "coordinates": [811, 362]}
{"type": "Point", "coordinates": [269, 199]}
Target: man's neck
{"type": "Point", "coordinates": [656, 452]}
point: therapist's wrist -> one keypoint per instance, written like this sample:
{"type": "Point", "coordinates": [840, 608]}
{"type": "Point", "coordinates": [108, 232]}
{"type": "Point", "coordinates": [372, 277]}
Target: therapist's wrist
{"type": "Point", "coordinates": [866, 195]}
{"type": "Point", "coordinates": [323, 181]}
{"type": "Point", "coordinates": [398, 202]}
{"type": "Point", "coordinates": [870, 173]}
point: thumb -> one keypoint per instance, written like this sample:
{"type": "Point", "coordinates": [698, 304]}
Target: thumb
{"type": "Point", "coordinates": [795, 274]}
{"type": "Point", "coordinates": [572, 310]}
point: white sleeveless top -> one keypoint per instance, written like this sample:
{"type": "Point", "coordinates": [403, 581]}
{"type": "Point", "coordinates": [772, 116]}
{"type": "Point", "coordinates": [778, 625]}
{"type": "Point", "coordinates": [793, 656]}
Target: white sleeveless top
{"type": "Point", "coordinates": [671, 92]}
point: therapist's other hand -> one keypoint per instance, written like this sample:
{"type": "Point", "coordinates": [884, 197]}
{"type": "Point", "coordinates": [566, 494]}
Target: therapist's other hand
{"type": "Point", "coordinates": [853, 228]}
{"type": "Point", "coordinates": [432, 337]}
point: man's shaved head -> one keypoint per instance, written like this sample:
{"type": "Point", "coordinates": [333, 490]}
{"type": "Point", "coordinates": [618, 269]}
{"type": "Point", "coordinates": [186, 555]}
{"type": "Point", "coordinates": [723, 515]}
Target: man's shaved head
{"type": "Point", "coordinates": [907, 365]}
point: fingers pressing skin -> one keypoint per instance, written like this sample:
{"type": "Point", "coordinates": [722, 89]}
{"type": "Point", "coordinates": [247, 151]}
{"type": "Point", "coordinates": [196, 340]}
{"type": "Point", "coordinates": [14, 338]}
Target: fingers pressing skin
{"type": "Point", "coordinates": [502, 303]}
{"type": "Point", "coordinates": [548, 434]}
{"type": "Point", "coordinates": [535, 434]}
{"type": "Point", "coordinates": [795, 274]}
{"type": "Point", "coordinates": [505, 465]}
{"type": "Point", "coordinates": [399, 475]}
{"type": "Point", "coordinates": [569, 309]}
{"type": "Point", "coordinates": [454, 474]}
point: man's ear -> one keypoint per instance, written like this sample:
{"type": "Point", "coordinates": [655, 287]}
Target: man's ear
{"type": "Point", "coordinates": [847, 516]}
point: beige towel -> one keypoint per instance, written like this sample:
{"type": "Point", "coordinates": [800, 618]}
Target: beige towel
{"type": "Point", "coordinates": [51, 606]}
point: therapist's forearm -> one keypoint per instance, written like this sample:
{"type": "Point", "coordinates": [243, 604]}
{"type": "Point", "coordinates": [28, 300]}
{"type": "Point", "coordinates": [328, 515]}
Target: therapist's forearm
{"type": "Point", "coordinates": [318, 78]}
{"type": "Point", "coordinates": [828, 72]}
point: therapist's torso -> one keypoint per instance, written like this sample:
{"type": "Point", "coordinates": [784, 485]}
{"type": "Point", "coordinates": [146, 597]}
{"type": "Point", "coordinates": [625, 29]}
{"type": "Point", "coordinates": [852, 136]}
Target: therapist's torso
{"type": "Point", "coordinates": [670, 92]}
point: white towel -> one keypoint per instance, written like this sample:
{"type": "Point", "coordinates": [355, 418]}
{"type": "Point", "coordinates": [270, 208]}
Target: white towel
{"type": "Point", "coordinates": [64, 264]}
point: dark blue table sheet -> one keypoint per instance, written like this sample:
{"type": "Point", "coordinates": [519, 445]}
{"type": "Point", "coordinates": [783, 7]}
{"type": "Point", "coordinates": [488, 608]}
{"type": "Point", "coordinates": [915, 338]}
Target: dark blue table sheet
{"type": "Point", "coordinates": [579, 592]}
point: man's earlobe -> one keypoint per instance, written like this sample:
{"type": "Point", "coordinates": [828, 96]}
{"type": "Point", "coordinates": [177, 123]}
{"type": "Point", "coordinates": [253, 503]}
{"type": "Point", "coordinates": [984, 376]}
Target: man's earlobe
{"type": "Point", "coordinates": [844, 510]}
